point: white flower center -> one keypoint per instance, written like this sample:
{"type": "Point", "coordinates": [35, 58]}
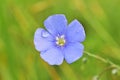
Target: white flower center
{"type": "Point", "coordinates": [60, 41]}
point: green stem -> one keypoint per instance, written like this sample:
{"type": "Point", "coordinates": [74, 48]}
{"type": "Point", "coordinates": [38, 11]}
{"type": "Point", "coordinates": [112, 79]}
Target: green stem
{"type": "Point", "coordinates": [102, 59]}
{"type": "Point", "coordinates": [104, 71]}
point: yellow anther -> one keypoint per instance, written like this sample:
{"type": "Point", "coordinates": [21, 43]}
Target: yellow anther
{"type": "Point", "coordinates": [60, 40]}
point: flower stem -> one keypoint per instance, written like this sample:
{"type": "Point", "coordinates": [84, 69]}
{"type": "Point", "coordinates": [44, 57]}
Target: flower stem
{"type": "Point", "coordinates": [104, 71]}
{"type": "Point", "coordinates": [102, 59]}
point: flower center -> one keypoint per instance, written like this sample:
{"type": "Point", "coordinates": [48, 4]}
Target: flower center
{"type": "Point", "coordinates": [60, 41]}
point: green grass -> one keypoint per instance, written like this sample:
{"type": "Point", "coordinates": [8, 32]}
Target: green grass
{"type": "Point", "coordinates": [20, 18]}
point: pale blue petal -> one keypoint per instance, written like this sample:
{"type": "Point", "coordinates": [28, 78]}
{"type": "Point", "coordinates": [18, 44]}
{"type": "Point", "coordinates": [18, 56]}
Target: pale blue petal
{"type": "Point", "coordinates": [42, 40]}
{"type": "Point", "coordinates": [52, 56]}
{"type": "Point", "coordinates": [75, 32]}
{"type": "Point", "coordinates": [73, 52]}
{"type": "Point", "coordinates": [56, 24]}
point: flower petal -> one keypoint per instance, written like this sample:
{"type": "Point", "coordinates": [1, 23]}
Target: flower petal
{"type": "Point", "coordinates": [75, 32]}
{"type": "Point", "coordinates": [52, 56]}
{"type": "Point", "coordinates": [73, 52]}
{"type": "Point", "coordinates": [42, 40]}
{"type": "Point", "coordinates": [56, 24]}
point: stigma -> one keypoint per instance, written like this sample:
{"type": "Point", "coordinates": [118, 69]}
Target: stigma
{"type": "Point", "coordinates": [60, 40]}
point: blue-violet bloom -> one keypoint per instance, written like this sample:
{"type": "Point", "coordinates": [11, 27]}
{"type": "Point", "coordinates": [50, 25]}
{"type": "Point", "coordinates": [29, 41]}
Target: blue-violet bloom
{"type": "Point", "coordinates": [60, 41]}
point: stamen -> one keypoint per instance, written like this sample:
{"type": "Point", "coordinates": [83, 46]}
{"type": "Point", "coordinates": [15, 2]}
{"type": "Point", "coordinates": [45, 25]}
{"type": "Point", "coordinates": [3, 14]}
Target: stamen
{"type": "Point", "coordinates": [62, 36]}
{"type": "Point", "coordinates": [57, 38]}
{"type": "Point", "coordinates": [60, 40]}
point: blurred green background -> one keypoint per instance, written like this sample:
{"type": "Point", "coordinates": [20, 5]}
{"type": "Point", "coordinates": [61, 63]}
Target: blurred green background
{"type": "Point", "coordinates": [20, 18]}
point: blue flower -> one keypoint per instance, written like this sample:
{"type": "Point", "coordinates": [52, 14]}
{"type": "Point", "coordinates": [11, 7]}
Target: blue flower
{"type": "Point", "coordinates": [60, 41]}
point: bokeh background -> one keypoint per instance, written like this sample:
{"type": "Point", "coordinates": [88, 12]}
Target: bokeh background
{"type": "Point", "coordinates": [20, 18]}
